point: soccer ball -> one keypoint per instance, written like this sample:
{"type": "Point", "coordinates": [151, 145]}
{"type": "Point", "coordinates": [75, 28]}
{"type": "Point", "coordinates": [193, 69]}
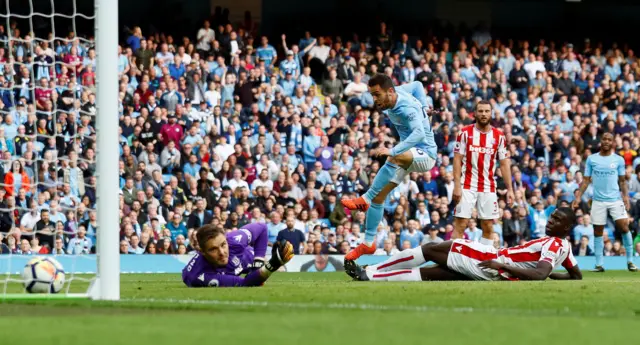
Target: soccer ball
{"type": "Point", "coordinates": [43, 275]}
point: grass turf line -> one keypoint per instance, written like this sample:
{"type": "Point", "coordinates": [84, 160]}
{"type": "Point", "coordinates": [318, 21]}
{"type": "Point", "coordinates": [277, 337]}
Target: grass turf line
{"type": "Point", "coordinates": [320, 308]}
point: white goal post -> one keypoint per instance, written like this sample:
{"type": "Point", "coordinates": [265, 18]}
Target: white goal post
{"type": "Point", "coordinates": [106, 28]}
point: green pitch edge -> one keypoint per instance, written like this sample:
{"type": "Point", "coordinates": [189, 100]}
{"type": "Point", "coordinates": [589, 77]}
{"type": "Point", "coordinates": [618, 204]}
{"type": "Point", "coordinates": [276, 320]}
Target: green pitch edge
{"type": "Point", "coordinates": [42, 297]}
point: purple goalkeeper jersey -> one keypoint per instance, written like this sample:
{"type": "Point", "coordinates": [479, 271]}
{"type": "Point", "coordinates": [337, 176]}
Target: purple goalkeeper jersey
{"type": "Point", "coordinates": [245, 245]}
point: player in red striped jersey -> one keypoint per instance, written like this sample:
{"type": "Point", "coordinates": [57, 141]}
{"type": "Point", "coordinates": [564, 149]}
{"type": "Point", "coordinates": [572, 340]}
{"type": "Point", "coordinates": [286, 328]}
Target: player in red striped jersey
{"type": "Point", "coordinates": [476, 152]}
{"type": "Point", "coordinates": [467, 260]}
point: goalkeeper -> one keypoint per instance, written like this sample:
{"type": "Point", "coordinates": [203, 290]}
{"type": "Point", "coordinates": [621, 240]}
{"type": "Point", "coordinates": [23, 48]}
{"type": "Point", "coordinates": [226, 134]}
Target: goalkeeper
{"type": "Point", "coordinates": [223, 257]}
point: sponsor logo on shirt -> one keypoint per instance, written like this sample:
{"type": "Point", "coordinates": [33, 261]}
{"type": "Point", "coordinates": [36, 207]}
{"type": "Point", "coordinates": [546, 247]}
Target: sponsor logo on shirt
{"type": "Point", "coordinates": [480, 149]}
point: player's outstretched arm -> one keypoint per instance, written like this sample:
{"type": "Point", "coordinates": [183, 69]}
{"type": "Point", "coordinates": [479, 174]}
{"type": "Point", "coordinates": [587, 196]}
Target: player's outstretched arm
{"type": "Point", "coordinates": [572, 273]}
{"type": "Point", "coordinates": [259, 241]}
{"type": "Point", "coordinates": [416, 89]}
{"type": "Point", "coordinates": [541, 272]}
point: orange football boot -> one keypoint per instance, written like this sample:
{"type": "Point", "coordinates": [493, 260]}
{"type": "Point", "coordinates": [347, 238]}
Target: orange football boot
{"type": "Point", "coordinates": [361, 249]}
{"type": "Point", "coordinates": [355, 204]}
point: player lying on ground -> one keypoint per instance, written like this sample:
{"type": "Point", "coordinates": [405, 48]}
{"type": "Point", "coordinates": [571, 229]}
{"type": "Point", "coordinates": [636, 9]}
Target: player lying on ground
{"type": "Point", "coordinates": [408, 109]}
{"type": "Point", "coordinates": [466, 260]}
{"type": "Point", "coordinates": [223, 257]}
{"type": "Point", "coordinates": [605, 170]}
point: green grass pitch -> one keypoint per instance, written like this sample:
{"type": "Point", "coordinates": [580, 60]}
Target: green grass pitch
{"type": "Point", "coordinates": [328, 308]}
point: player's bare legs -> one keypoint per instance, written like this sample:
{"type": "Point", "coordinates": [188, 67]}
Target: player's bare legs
{"type": "Point", "coordinates": [598, 247]}
{"type": "Point", "coordinates": [627, 241]}
{"type": "Point", "coordinates": [487, 228]}
{"type": "Point", "coordinates": [440, 273]}
{"type": "Point", "coordinates": [459, 225]}
{"type": "Point", "coordinates": [372, 201]}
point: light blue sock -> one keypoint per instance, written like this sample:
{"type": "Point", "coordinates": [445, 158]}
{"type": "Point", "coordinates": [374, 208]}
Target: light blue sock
{"type": "Point", "coordinates": [627, 242]}
{"type": "Point", "coordinates": [371, 222]}
{"type": "Point", "coordinates": [383, 177]}
{"type": "Point", "coordinates": [598, 244]}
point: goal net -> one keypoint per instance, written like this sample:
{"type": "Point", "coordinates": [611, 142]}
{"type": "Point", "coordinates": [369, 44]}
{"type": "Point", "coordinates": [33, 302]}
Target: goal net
{"type": "Point", "coordinates": [58, 72]}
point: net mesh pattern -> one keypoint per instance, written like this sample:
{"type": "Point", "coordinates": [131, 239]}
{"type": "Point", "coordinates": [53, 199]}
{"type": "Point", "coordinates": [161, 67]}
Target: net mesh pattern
{"type": "Point", "coordinates": [47, 137]}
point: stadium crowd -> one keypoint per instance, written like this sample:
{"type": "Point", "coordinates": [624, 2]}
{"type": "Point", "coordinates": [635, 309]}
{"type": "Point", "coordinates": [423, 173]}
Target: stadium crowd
{"type": "Point", "coordinates": [227, 127]}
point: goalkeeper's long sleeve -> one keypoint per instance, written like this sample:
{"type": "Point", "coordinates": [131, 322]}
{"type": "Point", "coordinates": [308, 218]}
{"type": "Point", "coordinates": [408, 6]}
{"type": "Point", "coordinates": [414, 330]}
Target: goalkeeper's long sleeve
{"type": "Point", "coordinates": [209, 279]}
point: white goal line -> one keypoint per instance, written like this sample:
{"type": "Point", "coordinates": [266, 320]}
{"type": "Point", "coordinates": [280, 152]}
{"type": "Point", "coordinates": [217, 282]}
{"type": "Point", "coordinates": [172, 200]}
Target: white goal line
{"type": "Point", "coordinates": [381, 307]}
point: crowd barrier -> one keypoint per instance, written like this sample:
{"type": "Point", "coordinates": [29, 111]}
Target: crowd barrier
{"type": "Point", "coordinates": [86, 264]}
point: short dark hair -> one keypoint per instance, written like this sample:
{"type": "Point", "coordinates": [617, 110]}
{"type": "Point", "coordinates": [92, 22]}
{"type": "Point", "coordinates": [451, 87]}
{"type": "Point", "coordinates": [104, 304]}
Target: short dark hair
{"type": "Point", "coordinates": [382, 80]}
{"type": "Point", "coordinates": [482, 102]}
{"type": "Point", "coordinates": [208, 232]}
{"type": "Point", "coordinates": [570, 214]}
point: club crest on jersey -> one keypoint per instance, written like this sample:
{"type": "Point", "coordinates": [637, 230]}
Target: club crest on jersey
{"type": "Point", "coordinates": [235, 261]}
{"type": "Point", "coordinates": [612, 166]}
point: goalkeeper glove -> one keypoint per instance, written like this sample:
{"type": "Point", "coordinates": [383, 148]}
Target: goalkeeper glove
{"type": "Point", "coordinates": [281, 253]}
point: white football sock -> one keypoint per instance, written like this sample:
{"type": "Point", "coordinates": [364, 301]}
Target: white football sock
{"type": "Point", "coordinates": [412, 275]}
{"type": "Point", "coordinates": [486, 242]}
{"type": "Point", "coordinates": [409, 258]}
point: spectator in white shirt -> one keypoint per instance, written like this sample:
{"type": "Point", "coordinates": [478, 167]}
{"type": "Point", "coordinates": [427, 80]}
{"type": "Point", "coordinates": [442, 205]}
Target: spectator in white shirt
{"type": "Point", "coordinates": [205, 37]}
{"type": "Point", "coordinates": [134, 245]}
{"type": "Point", "coordinates": [223, 149]}
{"type": "Point", "coordinates": [388, 249]}
{"type": "Point", "coordinates": [320, 51]}
{"type": "Point", "coordinates": [29, 220]}
{"type": "Point", "coordinates": [262, 181]}
{"type": "Point", "coordinates": [408, 187]}
{"type": "Point", "coordinates": [212, 96]}
{"type": "Point", "coordinates": [271, 167]}
{"type": "Point", "coordinates": [422, 215]}
{"type": "Point", "coordinates": [237, 180]}
{"type": "Point", "coordinates": [534, 65]}
{"type": "Point", "coordinates": [355, 89]}
{"type": "Point", "coordinates": [164, 55]}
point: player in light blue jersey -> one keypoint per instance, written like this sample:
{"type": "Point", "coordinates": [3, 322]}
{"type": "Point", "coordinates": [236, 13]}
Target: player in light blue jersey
{"type": "Point", "coordinates": [409, 109]}
{"type": "Point", "coordinates": [605, 170]}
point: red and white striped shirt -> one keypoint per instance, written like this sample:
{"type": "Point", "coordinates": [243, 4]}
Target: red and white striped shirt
{"type": "Point", "coordinates": [553, 250]}
{"type": "Point", "coordinates": [480, 150]}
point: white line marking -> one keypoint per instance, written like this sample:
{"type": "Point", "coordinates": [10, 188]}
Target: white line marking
{"type": "Point", "coordinates": [380, 307]}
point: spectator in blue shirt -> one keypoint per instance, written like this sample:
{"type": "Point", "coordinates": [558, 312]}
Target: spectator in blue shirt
{"type": "Point", "coordinates": [289, 65]}
{"type": "Point", "coordinates": [612, 69]}
{"type": "Point", "coordinates": [267, 53]}
{"type": "Point", "coordinates": [177, 227]}
{"type": "Point", "coordinates": [288, 85]}
{"type": "Point", "coordinates": [176, 69]}
{"type": "Point", "coordinates": [123, 62]}
{"type": "Point", "coordinates": [412, 234]}
{"type": "Point", "coordinates": [134, 40]}
{"type": "Point", "coordinates": [311, 143]}
{"type": "Point", "coordinates": [584, 228]}
{"type": "Point", "coordinates": [568, 188]}
{"type": "Point", "coordinates": [274, 227]}
{"type": "Point", "coordinates": [429, 185]}
{"type": "Point", "coordinates": [470, 73]}
{"type": "Point", "coordinates": [192, 168]}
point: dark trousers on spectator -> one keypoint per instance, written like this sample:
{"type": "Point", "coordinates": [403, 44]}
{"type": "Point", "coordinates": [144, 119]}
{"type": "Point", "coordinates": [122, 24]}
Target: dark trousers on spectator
{"type": "Point", "coordinates": [310, 166]}
{"type": "Point", "coordinates": [318, 70]}
{"type": "Point", "coordinates": [522, 94]}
